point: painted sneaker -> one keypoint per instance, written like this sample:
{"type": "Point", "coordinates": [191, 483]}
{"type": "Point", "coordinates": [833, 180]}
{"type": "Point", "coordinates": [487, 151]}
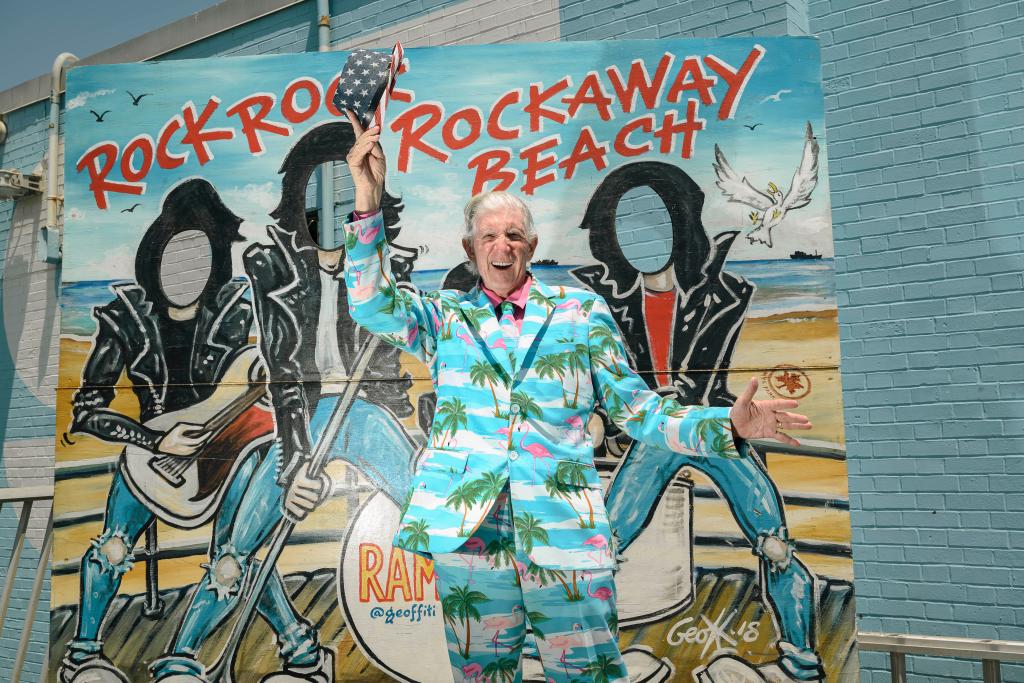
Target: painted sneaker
{"type": "Point", "coordinates": [178, 669]}
{"type": "Point", "coordinates": [732, 669]}
{"type": "Point", "coordinates": [93, 669]}
{"type": "Point", "coordinates": [321, 671]}
{"type": "Point", "coordinates": [644, 667]}
{"type": "Point", "coordinates": [728, 669]}
{"type": "Point", "coordinates": [773, 672]}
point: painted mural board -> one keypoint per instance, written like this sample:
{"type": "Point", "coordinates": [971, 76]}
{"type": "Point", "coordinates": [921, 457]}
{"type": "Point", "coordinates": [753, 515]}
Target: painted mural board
{"type": "Point", "coordinates": [683, 180]}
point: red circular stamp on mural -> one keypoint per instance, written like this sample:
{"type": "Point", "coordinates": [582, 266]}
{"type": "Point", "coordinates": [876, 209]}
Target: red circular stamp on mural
{"type": "Point", "coordinates": [786, 381]}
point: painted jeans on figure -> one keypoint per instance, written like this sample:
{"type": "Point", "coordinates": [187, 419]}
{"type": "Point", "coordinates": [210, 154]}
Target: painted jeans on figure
{"type": "Point", "coordinates": [756, 505]}
{"type": "Point", "coordinates": [488, 590]}
{"type": "Point", "coordinates": [368, 434]}
{"type": "Point", "coordinates": [110, 557]}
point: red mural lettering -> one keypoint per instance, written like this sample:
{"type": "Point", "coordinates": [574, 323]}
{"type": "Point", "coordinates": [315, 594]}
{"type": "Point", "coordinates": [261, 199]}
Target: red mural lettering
{"type": "Point", "coordinates": [422, 574]}
{"type": "Point", "coordinates": [411, 134]}
{"type": "Point", "coordinates": [691, 76]}
{"type": "Point", "coordinates": [640, 83]}
{"type": "Point", "coordinates": [587, 149]}
{"type": "Point", "coordinates": [449, 132]}
{"type": "Point", "coordinates": [622, 145]}
{"type": "Point", "coordinates": [290, 108]}
{"type": "Point", "coordinates": [537, 161]}
{"type": "Point", "coordinates": [490, 166]}
{"type": "Point", "coordinates": [688, 127]}
{"type": "Point", "coordinates": [168, 160]}
{"type": "Point", "coordinates": [494, 127]}
{"type": "Point", "coordinates": [254, 122]}
{"type": "Point", "coordinates": [371, 561]}
{"type": "Point", "coordinates": [591, 91]}
{"type": "Point", "coordinates": [537, 110]}
{"type": "Point", "coordinates": [398, 576]}
{"type": "Point", "coordinates": [98, 171]}
{"type": "Point", "coordinates": [140, 143]}
{"type": "Point", "coordinates": [195, 133]}
{"type": "Point", "coordinates": [736, 79]}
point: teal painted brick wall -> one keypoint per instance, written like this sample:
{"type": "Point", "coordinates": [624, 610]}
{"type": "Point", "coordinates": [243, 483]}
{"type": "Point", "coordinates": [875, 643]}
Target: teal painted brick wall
{"type": "Point", "coordinates": [926, 143]}
{"type": "Point", "coordinates": [603, 19]}
{"type": "Point", "coordinates": [25, 419]}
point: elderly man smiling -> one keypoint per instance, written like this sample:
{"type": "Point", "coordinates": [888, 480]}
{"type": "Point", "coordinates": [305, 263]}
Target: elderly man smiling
{"type": "Point", "coordinates": [507, 500]}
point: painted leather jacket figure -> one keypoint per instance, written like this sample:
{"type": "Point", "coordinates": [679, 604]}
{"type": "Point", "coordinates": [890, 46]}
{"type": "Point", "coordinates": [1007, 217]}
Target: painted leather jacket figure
{"type": "Point", "coordinates": [710, 303]}
{"type": "Point", "coordinates": [128, 339]}
{"type": "Point", "coordinates": [170, 364]}
{"type": "Point", "coordinates": [286, 292]}
{"type": "Point", "coordinates": [517, 416]}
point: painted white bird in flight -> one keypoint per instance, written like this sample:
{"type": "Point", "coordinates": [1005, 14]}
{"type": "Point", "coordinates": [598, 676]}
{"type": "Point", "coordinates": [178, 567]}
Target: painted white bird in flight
{"type": "Point", "coordinates": [773, 205]}
{"type": "Point", "coordinates": [777, 97]}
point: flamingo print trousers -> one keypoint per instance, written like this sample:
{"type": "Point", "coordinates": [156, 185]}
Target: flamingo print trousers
{"type": "Point", "coordinates": [491, 594]}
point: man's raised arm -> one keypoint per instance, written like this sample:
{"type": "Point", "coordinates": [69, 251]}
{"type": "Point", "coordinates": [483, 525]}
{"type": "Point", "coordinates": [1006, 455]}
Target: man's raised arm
{"type": "Point", "coordinates": [400, 316]}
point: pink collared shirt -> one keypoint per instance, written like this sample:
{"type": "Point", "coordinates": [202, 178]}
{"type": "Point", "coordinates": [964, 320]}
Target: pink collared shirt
{"type": "Point", "coordinates": [518, 298]}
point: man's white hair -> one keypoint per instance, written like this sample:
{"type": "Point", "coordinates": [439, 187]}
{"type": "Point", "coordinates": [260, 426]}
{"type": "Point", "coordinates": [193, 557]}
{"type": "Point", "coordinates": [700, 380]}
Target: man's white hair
{"type": "Point", "coordinates": [486, 202]}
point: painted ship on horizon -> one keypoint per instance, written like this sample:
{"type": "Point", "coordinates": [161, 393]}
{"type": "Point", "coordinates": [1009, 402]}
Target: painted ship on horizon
{"type": "Point", "coordinates": [804, 256]}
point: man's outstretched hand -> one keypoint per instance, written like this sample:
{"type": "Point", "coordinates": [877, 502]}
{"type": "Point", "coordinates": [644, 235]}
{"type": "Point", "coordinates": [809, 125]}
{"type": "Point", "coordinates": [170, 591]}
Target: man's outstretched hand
{"type": "Point", "coordinates": [366, 164]}
{"type": "Point", "coordinates": [765, 419]}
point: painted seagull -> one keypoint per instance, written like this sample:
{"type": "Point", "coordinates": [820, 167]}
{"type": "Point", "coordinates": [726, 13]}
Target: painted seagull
{"type": "Point", "coordinates": [777, 97]}
{"type": "Point", "coordinates": [773, 205]}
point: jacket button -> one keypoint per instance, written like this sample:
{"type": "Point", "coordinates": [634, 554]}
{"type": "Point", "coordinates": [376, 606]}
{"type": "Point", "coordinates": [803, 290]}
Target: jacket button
{"type": "Point", "coordinates": [515, 409]}
{"type": "Point", "coordinates": [513, 456]}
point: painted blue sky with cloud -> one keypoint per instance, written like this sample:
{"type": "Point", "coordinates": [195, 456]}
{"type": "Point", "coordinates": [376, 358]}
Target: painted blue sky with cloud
{"type": "Point", "coordinates": [101, 244]}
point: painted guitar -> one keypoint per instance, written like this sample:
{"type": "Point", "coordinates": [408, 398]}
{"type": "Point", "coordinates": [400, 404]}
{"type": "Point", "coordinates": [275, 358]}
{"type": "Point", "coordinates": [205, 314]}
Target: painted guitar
{"type": "Point", "coordinates": [185, 491]}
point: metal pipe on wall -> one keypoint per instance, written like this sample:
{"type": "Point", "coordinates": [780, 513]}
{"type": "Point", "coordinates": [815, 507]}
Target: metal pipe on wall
{"type": "Point", "coordinates": [326, 229]}
{"type": "Point", "coordinates": [50, 239]}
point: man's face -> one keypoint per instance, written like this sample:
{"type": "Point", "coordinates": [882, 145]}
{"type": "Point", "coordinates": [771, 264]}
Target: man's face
{"type": "Point", "coordinates": [500, 249]}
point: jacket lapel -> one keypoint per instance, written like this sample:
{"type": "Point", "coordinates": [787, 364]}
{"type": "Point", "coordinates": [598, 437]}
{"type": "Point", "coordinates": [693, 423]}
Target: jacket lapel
{"type": "Point", "coordinates": [478, 315]}
{"type": "Point", "coordinates": [539, 310]}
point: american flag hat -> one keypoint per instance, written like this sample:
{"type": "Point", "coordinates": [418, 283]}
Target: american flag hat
{"type": "Point", "coordinates": [364, 82]}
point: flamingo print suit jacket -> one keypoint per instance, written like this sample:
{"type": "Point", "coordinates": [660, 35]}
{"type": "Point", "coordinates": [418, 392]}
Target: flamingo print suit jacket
{"type": "Point", "coordinates": [517, 416]}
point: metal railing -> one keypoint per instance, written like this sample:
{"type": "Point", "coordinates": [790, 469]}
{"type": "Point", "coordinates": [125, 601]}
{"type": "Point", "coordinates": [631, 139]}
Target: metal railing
{"type": "Point", "coordinates": [899, 645]}
{"type": "Point", "coordinates": [28, 496]}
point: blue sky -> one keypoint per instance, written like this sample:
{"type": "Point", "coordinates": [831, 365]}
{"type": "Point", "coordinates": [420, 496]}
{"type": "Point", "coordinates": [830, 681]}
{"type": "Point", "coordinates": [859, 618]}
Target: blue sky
{"type": "Point", "coordinates": [100, 244]}
{"type": "Point", "coordinates": [35, 33]}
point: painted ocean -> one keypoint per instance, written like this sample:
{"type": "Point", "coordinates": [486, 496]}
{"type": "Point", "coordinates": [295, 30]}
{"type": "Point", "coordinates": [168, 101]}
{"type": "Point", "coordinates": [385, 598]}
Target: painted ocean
{"type": "Point", "coordinates": [783, 286]}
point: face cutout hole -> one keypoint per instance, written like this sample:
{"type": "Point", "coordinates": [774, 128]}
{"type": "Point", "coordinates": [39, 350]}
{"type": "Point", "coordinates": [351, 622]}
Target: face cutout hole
{"type": "Point", "coordinates": [643, 228]}
{"type": "Point", "coordinates": [312, 204]}
{"type": "Point", "coordinates": [344, 198]}
{"type": "Point", "coordinates": [185, 267]}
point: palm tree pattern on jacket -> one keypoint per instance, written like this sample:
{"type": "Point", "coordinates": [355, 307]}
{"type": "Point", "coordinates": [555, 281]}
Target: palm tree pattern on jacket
{"type": "Point", "coordinates": [518, 419]}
